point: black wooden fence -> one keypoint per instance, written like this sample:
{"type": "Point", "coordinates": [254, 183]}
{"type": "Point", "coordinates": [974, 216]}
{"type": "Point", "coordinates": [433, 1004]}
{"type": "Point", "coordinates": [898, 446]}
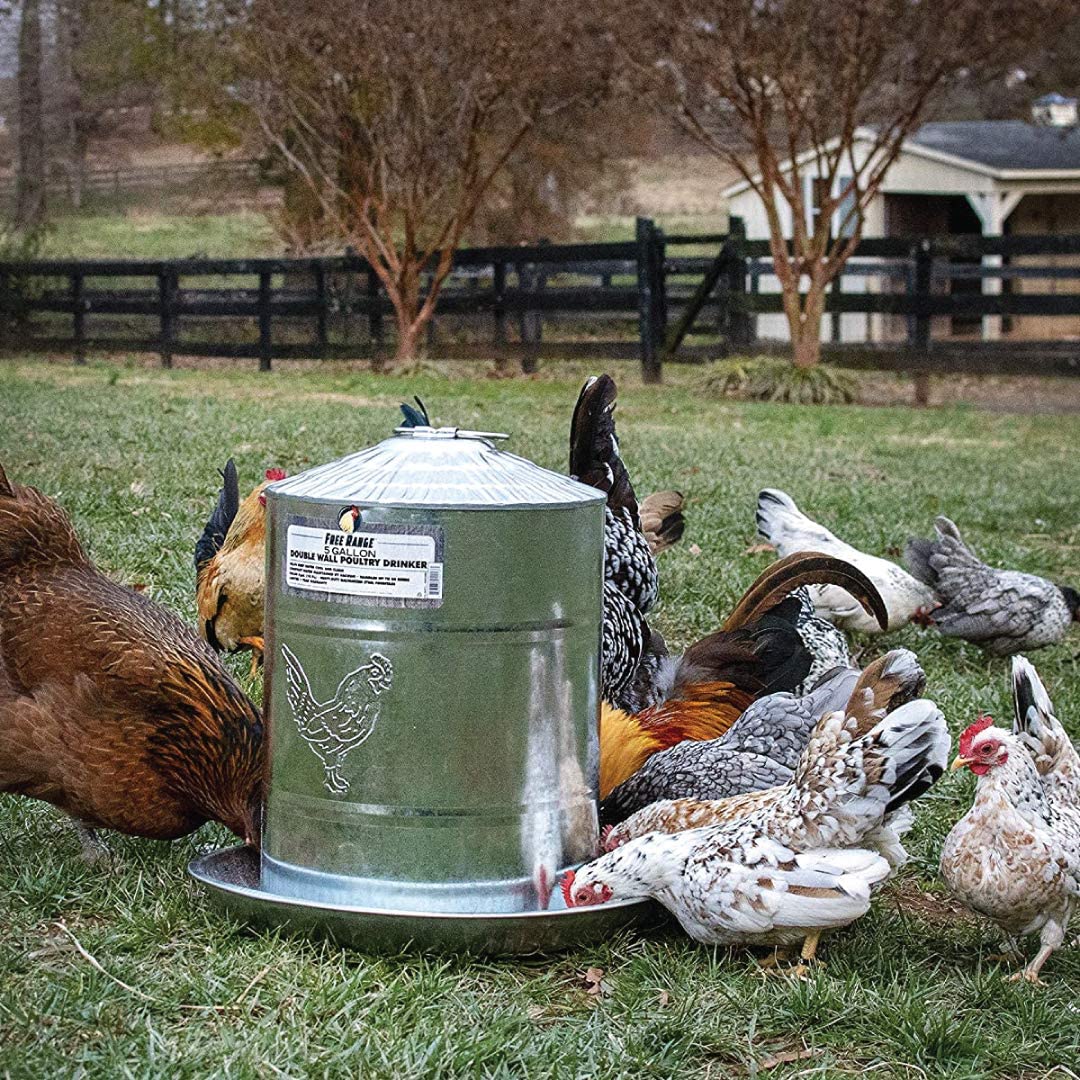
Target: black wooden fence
{"type": "Point", "coordinates": [655, 299]}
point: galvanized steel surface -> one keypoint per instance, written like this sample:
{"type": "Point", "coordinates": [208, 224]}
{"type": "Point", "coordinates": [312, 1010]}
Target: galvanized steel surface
{"type": "Point", "coordinates": [437, 468]}
{"type": "Point", "coordinates": [231, 877]}
{"type": "Point", "coordinates": [431, 753]}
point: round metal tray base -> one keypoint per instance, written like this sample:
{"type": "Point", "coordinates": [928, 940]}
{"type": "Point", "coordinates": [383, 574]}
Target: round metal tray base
{"type": "Point", "coordinates": [231, 877]}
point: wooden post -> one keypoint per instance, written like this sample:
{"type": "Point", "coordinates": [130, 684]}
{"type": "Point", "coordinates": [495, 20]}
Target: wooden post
{"type": "Point", "coordinates": [322, 312]}
{"type": "Point", "coordinates": [650, 279]}
{"type": "Point", "coordinates": [920, 333]}
{"type": "Point", "coordinates": [531, 281]}
{"type": "Point", "coordinates": [740, 324]}
{"type": "Point", "coordinates": [168, 286]}
{"type": "Point", "coordinates": [265, 341]}
{"type": "Point", "coordinates": [4, 309]}
{"type": "Point", "coordinates": [498, 290]}
{"type": "Point", "coordinates": [835, 290]}
{"type": "Point", "coordinates": [78, 304]}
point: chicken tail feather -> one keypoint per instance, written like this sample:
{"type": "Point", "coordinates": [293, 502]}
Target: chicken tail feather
{"type": "Point", "coordinates": [594, 447]}
{"type": "Point", "coordinates": [806, 568]}
{"type": "Point", "coordinates": [417, 417]}
{"type": "Point", "coordinates": [213, 534]}
{"type": "Point", "coordinates": [662, 519]}
{"type": "Point", "coordinates": [1036, 725]}
{"type": "Point", "coordinates": [926, 559]}
{"type": "Point", "coordinates": [890, 681]}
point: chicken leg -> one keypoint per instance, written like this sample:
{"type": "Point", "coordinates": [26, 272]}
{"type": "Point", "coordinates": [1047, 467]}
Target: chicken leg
{"type": "Point", "coordinates": [807, 956]}
{"type": "Point", "coordinates": [1053, 934]}
{"type": "Point", "coordinates": [256, 644]}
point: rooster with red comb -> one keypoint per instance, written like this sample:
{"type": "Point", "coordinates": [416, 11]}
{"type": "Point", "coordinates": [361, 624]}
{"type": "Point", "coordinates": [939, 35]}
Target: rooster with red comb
{"type": "Point", "coordinates": [1015, 856]}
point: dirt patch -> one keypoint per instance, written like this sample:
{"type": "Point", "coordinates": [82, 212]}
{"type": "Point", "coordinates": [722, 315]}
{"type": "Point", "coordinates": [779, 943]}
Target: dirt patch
{"type": "Point", "coordinates": [908, 899]}
{"type": "Point", "coordinates": [995, 393]}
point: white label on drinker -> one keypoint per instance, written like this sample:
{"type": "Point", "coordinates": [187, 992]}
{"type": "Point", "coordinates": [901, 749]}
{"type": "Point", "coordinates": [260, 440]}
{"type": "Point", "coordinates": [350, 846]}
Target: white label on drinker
{"type": "Point", "coordinates": [376, 564]}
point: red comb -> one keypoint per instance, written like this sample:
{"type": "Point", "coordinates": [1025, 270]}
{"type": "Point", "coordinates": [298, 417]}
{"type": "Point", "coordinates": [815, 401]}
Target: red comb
{"type": "Point", "coordinates": [969, 733]}
{"type": "Point", "coordinates": [276, 474]}
{"type": "Point", "coordinates": [567, 885]}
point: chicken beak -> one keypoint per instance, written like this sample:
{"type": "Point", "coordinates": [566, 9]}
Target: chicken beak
{"type": "Point", "coordinates": [959, 762]}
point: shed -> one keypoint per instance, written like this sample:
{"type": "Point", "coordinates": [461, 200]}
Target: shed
{"type": "Point", "coordinates": [994, 177]}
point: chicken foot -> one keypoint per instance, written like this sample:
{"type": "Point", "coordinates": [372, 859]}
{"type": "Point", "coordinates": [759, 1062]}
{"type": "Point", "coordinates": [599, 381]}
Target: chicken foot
{"type": "Point", "coordinates": [808, 955]}
{"type": "Point", "coordinates": [94, 849]}
{"type": "Point", "coordinates": [771, 965]}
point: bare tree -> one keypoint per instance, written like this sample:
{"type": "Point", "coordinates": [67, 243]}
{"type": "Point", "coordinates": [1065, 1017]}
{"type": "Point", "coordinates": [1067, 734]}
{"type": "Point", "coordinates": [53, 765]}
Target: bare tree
{"type": "Point", "coordinates": [398, 116]}
{"type": "Point", "coordinates": [30, 181]}
{"type": "Point", "coordinates": [811, 103]}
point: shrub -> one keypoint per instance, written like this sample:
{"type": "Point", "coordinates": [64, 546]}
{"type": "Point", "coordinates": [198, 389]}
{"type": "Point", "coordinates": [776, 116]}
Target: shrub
{"type": "Point", "coordinates": [769, 378]}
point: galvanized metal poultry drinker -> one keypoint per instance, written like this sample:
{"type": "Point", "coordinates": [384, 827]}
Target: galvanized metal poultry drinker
{"type": "Point", "coordinates": [433, 626]}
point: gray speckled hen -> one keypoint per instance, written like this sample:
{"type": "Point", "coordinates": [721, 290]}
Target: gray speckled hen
{"type": "Point", "coordinates": [1004, 611]}
{"type": "Point", "coordinates": [762, 747]}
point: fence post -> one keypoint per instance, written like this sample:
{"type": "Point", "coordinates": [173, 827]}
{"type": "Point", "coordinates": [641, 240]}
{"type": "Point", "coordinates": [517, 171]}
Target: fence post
{"type": "Point", "coordinates": [78, 304]}
{"type": "Point", "coordinates": [498, 290]}
{"type": "Point", "coordinates": [265, 342]}
{"type": "Point", "coordinates": [835, 291]}
{"type": "Point", "coordinates": [5, 304]}
{"type": "Point", "coordinates": [920, 327]}
{"type": "Point", "coordinates": [531, 280]}
{"type": "Point", "coordinates": [168, 281]}
{"type": "Point", "coordinates": [321, 313]}
{"type": "Point", "coordinates": [739, 322]}
{"type": "Point", "coordinates": [650, 279]}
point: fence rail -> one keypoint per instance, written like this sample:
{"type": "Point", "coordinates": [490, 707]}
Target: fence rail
{"type": "Point", "coordinates": [656, 298]}
{"type": "Point", "coordinates": [116, 180]}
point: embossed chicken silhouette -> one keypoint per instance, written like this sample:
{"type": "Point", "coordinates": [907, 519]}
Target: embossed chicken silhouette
{"type": "Point", "coordinates": [333, 728]}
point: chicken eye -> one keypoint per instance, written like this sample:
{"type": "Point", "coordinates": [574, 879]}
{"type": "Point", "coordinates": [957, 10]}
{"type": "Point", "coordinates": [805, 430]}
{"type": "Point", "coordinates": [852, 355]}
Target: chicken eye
{"type": "Point", "coordinates": [987, 749]}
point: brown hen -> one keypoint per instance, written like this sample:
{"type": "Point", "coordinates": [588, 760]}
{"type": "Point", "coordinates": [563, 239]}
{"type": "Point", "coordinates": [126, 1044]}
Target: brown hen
{"type": "Point", "coordinates": [111, 708]}
{"type": "Point", "coordinates": [230, 567]}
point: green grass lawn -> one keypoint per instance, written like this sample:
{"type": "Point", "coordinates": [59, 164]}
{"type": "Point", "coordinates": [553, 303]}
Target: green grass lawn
{"type": "Point", "coordinates": [910, 991]}
{"type": "Point", "coordinates": [148, 234]}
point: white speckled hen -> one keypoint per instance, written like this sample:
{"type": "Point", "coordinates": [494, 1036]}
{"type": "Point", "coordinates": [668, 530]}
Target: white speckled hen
{"type": "Point", "coordinates": [1015, 856]}
{"type": "Point", "coordinates": [1004, 611]}
{"type": "Point", "coordinates": [783, 865]}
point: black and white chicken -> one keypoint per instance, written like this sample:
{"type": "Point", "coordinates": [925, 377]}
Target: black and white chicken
{"type": "Point", "coordinates": [788, 529]}
{"type": "Point", "coordinates": [630, 576]}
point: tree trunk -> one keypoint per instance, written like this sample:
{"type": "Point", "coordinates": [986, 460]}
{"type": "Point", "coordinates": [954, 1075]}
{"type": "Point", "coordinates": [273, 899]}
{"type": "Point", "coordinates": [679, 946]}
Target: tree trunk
{"type": "Point", "coordinates": [408, 337]}
{"type": "Point", "coordinates": [69, 37]}
{"type": "Point", "coordinates": [806, 331]}
{"type": "Point", "coordinates": [30, 180]}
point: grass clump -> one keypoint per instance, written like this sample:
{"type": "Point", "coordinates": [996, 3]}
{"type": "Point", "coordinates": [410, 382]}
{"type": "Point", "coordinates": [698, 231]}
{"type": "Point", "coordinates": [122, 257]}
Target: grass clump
{"type": "Point", "coordinates": [771, 378]}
